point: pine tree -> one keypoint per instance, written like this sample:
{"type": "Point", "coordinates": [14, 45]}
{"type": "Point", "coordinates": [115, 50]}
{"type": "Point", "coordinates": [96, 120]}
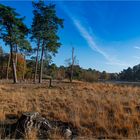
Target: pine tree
{"type": "Point", "coordinates": [44, 29]}
{"type": "Point", "coordinates": [13, 32]}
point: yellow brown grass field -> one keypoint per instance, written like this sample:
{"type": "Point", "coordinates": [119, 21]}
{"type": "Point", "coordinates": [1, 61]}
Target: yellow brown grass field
{"type": "Point", "coordinates": [96, 109]}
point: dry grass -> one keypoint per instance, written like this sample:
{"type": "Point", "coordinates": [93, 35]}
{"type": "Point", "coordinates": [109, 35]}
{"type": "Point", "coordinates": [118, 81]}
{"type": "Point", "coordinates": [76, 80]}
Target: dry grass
{"type": "Point", "coordinates": [98, 110]}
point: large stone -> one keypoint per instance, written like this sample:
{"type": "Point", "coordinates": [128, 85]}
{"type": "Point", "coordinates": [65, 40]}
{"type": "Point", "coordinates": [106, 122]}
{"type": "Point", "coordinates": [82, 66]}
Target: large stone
{"type": "Point", "coordinates": [30, 120]}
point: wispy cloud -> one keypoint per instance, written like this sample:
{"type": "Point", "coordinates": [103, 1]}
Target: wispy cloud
{"type": "Point", "coordinates": [137, 47]}
{"type": "Point", "coordinates": [90, 40]}
{"type": "Point", "coordinates": [137, 57]}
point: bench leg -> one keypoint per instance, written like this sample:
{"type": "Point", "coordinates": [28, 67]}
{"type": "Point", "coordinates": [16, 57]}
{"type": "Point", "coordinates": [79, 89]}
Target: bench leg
{"type": "Point", "coordinates": [50, 83]}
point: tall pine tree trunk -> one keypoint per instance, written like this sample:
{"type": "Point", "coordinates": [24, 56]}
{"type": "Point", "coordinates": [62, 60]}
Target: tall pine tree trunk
{"type": "Point", "coordinates": [8, 65]}
{"type": "Point", "coordinates": [36, 63]}
{"type": "Point", "coordinates": [41, 64]}
{"type": "Point", "coordinates": [13, 65]}
{"type": "Point", "coordinates": [16, 58]}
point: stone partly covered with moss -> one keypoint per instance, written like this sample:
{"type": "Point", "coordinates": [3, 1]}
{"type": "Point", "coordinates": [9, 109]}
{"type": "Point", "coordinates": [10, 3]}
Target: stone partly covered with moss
{"type": "Point", "coordinates": [45, 127]}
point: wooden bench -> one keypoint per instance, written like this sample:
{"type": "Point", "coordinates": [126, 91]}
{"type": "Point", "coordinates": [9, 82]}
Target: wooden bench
{"type": "Point", "coordinates": [50, 80]}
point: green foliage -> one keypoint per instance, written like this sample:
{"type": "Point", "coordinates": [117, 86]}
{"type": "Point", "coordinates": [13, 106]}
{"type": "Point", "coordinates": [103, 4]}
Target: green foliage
{"type": "Point", "coordinates": [104, 76]}
{"type": "Point", "coordinates": [13, 29]}
{"type": "Point", "coordinates": [30, 68]}
{"type": "Point", "coordinates": [130, 74]}
{"type": "Point", "coordinates": [45, 26]}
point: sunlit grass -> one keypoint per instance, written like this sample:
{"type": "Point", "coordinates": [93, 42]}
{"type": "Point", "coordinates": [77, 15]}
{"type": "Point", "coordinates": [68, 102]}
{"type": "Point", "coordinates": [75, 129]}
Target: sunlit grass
{"type": "Point", "coordinates": [97, 110]}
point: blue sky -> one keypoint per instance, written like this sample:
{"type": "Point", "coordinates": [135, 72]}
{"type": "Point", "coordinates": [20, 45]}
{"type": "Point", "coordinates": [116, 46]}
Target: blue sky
{"type": "Point", "coordinates": [105, 35]}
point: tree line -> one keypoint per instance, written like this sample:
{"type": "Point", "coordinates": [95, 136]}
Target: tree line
{"type": "Point", "coordinates": [130, 74]}
{"type": "Point", "coordinates": [26, 69]}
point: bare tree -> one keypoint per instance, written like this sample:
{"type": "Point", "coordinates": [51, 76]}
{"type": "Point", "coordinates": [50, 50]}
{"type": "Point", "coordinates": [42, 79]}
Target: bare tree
{"type": "Point", "coordinates": [70, 63]}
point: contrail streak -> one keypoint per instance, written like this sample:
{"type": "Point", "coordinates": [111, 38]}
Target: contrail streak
{"type": "Point", "coordinates": [90, 41]}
